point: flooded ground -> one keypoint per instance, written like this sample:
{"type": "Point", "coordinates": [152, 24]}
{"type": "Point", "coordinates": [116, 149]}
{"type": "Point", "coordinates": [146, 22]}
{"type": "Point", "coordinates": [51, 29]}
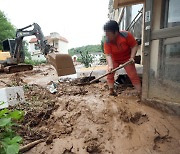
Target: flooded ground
{"type": "Point", "coordinates": [85, 119]}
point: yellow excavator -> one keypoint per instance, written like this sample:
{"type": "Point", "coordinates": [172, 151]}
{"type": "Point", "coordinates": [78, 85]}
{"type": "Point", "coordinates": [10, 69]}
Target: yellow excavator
{"type": "Point", "coordinates": [12, 56]}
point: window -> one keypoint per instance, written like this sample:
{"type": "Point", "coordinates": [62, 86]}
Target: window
{"type": "Point", "coordinates": [171, 60]}
{"type": "Point", "coordinates": [56, 44]}
{"type": "Point", "coordinates": [173, 13]}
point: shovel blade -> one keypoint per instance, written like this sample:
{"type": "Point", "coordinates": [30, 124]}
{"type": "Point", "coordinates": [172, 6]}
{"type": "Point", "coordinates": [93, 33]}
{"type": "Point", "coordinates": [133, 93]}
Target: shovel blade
{"type": "Point", "coordinates": [62, 63]}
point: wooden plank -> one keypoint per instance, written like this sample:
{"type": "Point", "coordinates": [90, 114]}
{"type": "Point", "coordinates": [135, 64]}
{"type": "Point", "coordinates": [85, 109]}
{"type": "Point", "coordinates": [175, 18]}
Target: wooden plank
{"type": "Point", "coordinates": [171, 40]}
{"type": "Point", "coordinates": [122, 3]}
{"type": "Point", "coordinates": [121, 14]}
{"type": "Point", "coordinates": [147, 47]}
{"type": "Point", "coordinates": [160, 67]}
{"type": "Point", "coordinates": [166, 33]}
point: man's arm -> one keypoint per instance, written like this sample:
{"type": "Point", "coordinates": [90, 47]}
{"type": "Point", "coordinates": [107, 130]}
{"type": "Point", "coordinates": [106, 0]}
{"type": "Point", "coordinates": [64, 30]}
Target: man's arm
{"type": "Point", "coordinates": [109, 62]}
{"type": "Point", "coordinates": [107, 51]}
{"type": "Point", "coordinates": [133, 52]}
{"type": "Point", "coordinates": [133, 45]}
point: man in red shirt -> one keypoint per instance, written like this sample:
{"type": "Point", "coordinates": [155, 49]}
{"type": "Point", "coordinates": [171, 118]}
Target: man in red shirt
{"type": "Point", "coordinates": [119, 47]}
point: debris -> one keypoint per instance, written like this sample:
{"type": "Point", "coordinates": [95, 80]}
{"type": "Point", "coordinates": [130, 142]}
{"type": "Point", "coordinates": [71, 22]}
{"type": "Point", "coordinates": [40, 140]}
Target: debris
{"type": "Point", "coordinates": [139, 118]}
{"type": "Point", "coordinates": [159, 139]}
{"type": "Point", "coordinates": [52, 87]}
{"type": "Point", "coordinates": [93, 147]}
{"type": "Point", "coordinates": [29, 146]}
{"type": "Point", "coordinates": [68, 151]}
{"type": "Point", "coordinates": [16, 79]}
{"type": "Point", "coordinates": [67, 80]}
{"type": "Point", "coordinates": [50, 139]}
{"type": "Point", "coordinates": [63, 120]}
{"type": "Point", "coordinates": [45, 73]}
{"type": "Point", "coordinates": [8, 85]}
{"type": "Point", "coordinates": [124, 115]}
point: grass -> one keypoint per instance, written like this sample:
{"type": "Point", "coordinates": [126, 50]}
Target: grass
{"type": "Point", "coordinates": [35, 62]}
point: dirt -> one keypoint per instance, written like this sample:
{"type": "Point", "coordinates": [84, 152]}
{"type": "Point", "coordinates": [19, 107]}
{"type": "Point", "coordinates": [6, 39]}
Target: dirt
{"type": "Point", "coordinates": [85, 119]}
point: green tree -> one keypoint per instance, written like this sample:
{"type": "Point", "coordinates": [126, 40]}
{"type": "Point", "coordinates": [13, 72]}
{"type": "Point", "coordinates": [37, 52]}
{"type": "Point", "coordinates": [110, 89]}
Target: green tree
{"type": "Point", "coordinates": [86, 58]}
{"type": "Point", "coordinates": [7, 30]}
{"type": "Point", "coordinates": [89, 48]}
{"type": "Point", "coordinates": [25, 48]}
{"type": "Point", "coordinates": [102, 43]}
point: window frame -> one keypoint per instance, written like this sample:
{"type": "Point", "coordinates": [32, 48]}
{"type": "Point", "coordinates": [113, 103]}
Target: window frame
{"type": "Point", "coordinates": [166, 7]}
{"type": "Point", "coordinates": [166, 35]}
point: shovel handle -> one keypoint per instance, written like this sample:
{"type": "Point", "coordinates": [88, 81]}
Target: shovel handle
{"type": "Point", "coordinates": [121, 66]}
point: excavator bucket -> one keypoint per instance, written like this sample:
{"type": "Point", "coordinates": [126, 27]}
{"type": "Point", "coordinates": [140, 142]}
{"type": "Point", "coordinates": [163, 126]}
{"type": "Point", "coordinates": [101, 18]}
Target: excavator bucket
{"type": "Point", "coordinates": [62, 63]}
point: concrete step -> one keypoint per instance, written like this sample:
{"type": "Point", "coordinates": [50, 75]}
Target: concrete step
{"type": "Point", "coordinates": [10, 96]}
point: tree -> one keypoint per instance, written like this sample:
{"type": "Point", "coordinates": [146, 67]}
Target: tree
{"type": "Point", "coordinates": [89, 48]}
{"type": "Point", "coordinates": [86, 58]}
{"type": "Point", "coordinates": [102, 43]}
{"type": "Point", "coordinates": [26, 52]}
{"type": "Point", "coordinates": [7, 30]}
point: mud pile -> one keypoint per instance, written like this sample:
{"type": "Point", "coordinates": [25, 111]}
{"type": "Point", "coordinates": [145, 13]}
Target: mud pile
{"type": "Point", "coordinates": [86, 120]}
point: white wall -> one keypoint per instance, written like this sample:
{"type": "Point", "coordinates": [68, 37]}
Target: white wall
{"type": "Point", "coordinates": [32, 49]}
{"type": "Point", "coordinates": [63, 47]}
{"type": "Point", "coordinates": [38, 57]}
{"type": "Point", "coordinates": [35, 54]}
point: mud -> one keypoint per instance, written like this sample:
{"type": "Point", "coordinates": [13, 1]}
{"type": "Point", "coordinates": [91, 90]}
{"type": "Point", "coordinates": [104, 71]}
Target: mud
{"type": "Point", "coordinates": [85, 119]}
{"type": "Point", "coordinates": [83, 81]}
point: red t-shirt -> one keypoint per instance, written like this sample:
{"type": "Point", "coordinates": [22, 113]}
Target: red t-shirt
{"type": "Point", "coordinates": [120, 50]}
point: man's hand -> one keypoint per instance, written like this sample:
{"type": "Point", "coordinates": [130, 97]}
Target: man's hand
{"type": "Point", "coordinates": [110, 63]}
{"type": "Point", "coordinates": [109, 69]}
{"type": "Point", "coordinates": [132, 59]}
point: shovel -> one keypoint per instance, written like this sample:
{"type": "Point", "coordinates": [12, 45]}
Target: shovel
{"type": "Point", "coordinates": [121, 66]}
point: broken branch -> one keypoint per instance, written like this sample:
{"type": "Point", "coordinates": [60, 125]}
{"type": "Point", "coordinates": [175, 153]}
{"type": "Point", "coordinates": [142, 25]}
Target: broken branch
{"type": "Point", "coordinates": [29, 146]}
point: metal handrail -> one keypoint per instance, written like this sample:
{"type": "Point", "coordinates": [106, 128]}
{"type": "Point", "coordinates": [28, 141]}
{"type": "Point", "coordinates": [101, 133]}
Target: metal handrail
{"type": "Point", "coordinates": [133, 22]}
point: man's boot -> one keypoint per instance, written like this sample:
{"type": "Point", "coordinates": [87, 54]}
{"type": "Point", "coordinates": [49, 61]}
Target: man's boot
{"type": "Point", "coordinates": [112, 92]}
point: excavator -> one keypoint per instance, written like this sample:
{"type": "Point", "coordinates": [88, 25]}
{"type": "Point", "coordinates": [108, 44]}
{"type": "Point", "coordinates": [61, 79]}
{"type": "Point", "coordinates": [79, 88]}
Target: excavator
{"type": "Point", "coordinates": [12, 56]}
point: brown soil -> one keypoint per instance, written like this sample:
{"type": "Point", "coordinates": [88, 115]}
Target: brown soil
{"type": "Point", "coordinates": [85, 119]}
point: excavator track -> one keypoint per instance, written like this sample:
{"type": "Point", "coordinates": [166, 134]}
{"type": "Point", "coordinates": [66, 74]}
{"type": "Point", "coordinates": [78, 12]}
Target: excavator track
{"type": "Point", "coordinates": [18, 68]}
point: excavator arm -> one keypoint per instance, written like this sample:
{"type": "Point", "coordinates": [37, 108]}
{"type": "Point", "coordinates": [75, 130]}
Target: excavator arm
{"type": "Point", "coordinates": [23, 32]}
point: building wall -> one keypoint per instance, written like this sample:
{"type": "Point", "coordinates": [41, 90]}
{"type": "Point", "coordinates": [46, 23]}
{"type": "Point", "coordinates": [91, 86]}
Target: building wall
{"type": "Point", "coordinates": [63, 47]}
{"type": "Point", "coordinates": [38, 57]}
{"type": "Point", "coordinates": [32, 49]}
{"type": "Point", "coordinates": [164, 71]}
{"type": "Point", "coordinates": [54, 40]}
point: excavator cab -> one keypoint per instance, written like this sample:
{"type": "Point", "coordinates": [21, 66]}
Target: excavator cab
{"type": "Point", "coordinates": [5, 53]}
{"type": "Point", "coordinates": [8, 62]}
{"type": "Point", "coordinates": [9, 47]}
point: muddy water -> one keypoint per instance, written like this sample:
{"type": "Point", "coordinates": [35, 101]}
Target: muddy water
{"type": "Point", "coordinates": [87, 120]}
